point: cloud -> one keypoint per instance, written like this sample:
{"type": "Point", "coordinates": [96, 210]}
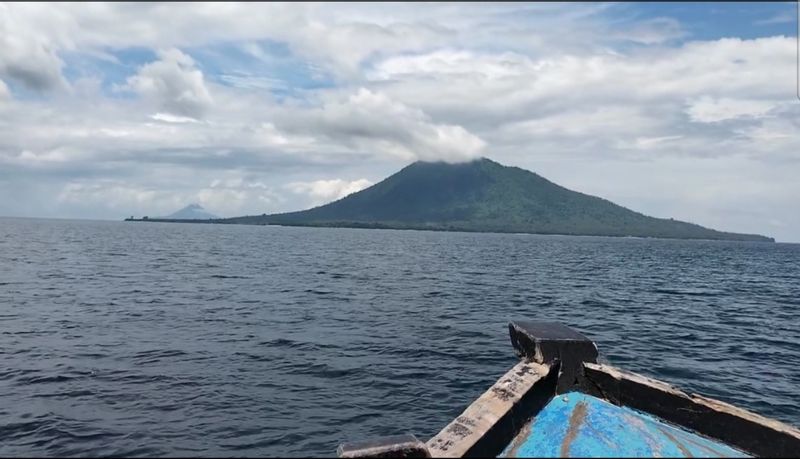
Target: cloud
{"type": "Point", "coordinates": [4, 92]}
{"type": "Point", "coordinates": [229, 196]}
{"type": "Point", "coordinates": [324, 191]}
{"type": "Point", "coordinates": [254, 82]}
{"type": "Point", "coordinates": [444, 64]}
{"type": "Point", "coordinates": [167, 118]}
{"type": "Point", "coordinates": [338, 37]}
{"type": "Point", "coordinates": [33, 35]}
{"type": "Point", "coordinates": [710, 110]}
{"type": "Point", "coordinates": [371, 121]}
{"type": "Point", "coordinates": [472, 88]}
{"type": "Point", "coordinates": [117, 195]}
{"type": "Point", "coordinates": [173, 84]}
{"type": "Point", "coordinates": [603, 121]}
{"type": "Point", "coordinates": [651, 31]}
{"type": "Point", "coordinates": [655, 142]}
{"type": "Point", "coordinates": [28, 57]}
{"type": "Point", "coordinates": [236, 194]}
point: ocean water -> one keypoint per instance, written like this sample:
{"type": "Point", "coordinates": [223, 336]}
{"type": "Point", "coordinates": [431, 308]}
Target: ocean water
{"type": "Point", "coordinates": [144, 339]}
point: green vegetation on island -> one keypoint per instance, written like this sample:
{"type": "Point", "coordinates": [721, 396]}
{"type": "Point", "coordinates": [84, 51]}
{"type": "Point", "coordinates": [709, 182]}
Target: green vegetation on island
{"type": "Point", "coordinates": [485, 196]}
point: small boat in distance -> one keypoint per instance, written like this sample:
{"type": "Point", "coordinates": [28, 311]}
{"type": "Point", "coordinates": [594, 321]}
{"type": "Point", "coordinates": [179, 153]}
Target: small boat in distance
{"type": "Point", "coordinates": [558, 401]}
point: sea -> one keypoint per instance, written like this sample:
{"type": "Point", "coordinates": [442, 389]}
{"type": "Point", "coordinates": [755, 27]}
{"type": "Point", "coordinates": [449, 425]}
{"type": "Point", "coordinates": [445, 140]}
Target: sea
{"type": "Point", "coordinates": [159, 339]}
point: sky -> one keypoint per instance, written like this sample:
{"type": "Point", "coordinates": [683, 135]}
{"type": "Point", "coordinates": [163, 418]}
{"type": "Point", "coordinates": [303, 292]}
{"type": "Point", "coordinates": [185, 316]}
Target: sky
{"type": "Point", "coordinates": [676, 110]}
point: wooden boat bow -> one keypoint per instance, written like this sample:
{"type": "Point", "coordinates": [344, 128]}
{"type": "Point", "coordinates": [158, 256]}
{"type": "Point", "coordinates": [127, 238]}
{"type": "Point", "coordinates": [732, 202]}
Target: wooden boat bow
{"type": "Point", "coordinates": [559, 402]}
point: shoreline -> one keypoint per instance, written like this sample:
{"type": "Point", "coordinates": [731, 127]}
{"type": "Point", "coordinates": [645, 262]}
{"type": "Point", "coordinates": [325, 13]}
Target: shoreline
{"type": "Point", "coordinates": [379, 226]}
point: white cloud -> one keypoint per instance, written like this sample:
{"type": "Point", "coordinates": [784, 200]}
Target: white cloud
{"type": "Point", "coordinates": [710, 110]}
{"type": "Point", "coordinates": [324, 191]}
{"type": "Point", "coordinates": [167, 118]}
{"type": "Point", "coordinates": [651, 31]}
{"type": "Point", "coordinates": [225, 197]}
{"type": "Point", "coordinates": [119, 196]}
{"type": "Point", "coordinates": [776, 136]}
{"type": "Point", "coordinates": [599, 122]}
{"type": "Point", "coordinates": [4, 92]}
{"type": "Point", "coordinates": [58, 155]}
{"type": "Point", "coordinates": [654, 142]}
{"type": "Point", "coordinates": [260, 82]}
{"type": "Point", "coordinates": [174, 84]}
{"type": "Point", "coordinates": [339, 37]}
{"type": "Point", "coordinates": [222, 198]}
{"type": "Point", "coordinates": [28, 56]}
{"type": "Point", "coordinates": [372, 122]}
{"type": "Point", "coordinates": [444, 64]}
{"type": "Point", "coordinates": [486, 90]}
{"type": "Point", "coordinates": [235, 194]}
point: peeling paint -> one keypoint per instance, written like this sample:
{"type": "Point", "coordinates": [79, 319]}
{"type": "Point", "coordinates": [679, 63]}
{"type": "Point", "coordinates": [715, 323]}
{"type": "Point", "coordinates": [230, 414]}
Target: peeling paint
{"type": "Point", "coordinates": [684, 450]}
{"type": "Point", "coordinates": [524, 433]}
{"type": "Point", "coordinates": [575, 422]}
{"type": "Point", "coordinates": [639, 424]}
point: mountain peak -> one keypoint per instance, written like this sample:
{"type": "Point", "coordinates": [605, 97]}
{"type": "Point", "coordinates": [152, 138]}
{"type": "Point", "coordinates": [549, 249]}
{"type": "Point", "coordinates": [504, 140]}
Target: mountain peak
{"type": "Point", "coordinates": [193, 211]}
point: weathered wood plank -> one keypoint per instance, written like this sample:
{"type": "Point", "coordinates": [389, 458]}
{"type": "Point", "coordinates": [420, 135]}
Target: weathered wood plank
{"type": "Point", "coordinates": [492, 421]}
{"type": "Point", "coordinates": [405, 446]}
{"type": "Point", "coordinates": [751, 432]}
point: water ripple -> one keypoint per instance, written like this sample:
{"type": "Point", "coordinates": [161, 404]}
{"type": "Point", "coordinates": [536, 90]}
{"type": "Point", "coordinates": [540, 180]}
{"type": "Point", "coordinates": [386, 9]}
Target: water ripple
{"type": "Point", "coordinates": [143, 340]}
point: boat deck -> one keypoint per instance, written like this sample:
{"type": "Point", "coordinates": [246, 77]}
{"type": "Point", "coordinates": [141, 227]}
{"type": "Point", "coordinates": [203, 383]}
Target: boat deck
{"type": "Point", "coordinates": [579, 425]}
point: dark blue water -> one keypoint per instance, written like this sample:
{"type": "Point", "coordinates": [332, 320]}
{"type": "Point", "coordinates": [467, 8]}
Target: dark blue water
{"type": "Point", "coordinates": [143, 339]}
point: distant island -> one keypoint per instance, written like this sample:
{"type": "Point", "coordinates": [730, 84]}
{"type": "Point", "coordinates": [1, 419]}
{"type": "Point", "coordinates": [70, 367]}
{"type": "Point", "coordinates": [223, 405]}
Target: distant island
{"type": "Point", "coordinates": [483, 196]}
{"type": "Point", "coordinates": [190, 212]}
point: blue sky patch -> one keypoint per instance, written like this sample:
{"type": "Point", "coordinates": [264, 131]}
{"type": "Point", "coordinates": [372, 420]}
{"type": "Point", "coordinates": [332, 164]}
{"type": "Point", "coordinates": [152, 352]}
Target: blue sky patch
{"type": "Point", "coordinates": [715, 20]}
{"type": "Point", "coordinates": [260, 65]}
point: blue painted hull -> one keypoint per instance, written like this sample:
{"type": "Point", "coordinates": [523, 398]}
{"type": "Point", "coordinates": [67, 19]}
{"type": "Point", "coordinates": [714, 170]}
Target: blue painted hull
{"type": "Point", "coordinates": [579, 425]}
